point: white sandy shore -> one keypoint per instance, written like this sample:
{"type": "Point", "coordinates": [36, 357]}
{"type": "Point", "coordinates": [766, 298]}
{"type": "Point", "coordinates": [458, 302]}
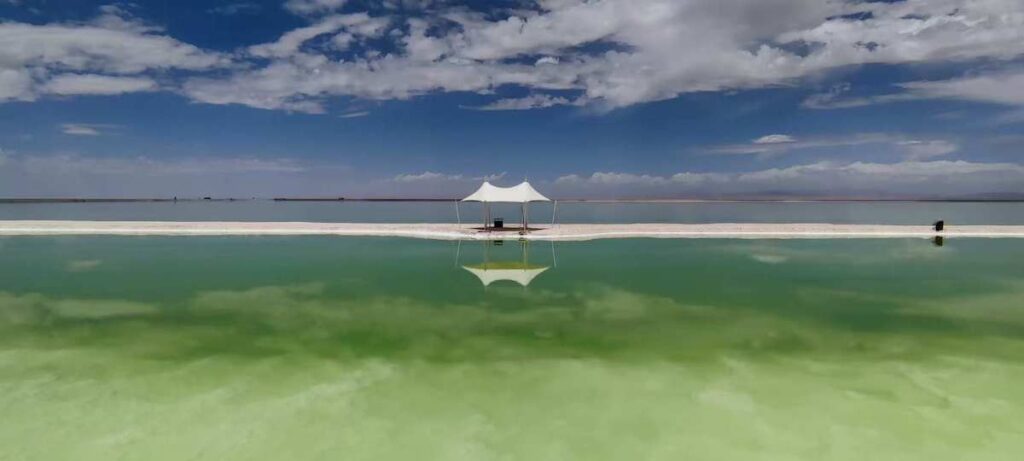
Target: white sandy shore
{"type": "Point", "coordinates": [454, 232]}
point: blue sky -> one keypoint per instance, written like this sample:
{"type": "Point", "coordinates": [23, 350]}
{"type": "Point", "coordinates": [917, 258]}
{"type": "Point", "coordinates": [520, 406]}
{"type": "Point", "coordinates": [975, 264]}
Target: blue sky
{"type": "Point", "coordinates": [598, 98]}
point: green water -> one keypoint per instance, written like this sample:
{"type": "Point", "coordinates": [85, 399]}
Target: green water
{"type": "Point", "coordinates": [357, 348]}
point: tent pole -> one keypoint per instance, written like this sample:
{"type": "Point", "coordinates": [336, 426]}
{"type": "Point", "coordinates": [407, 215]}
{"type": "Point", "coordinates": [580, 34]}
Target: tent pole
{"type": "Point", "coordinates": [554, 209]}
{"type": "Point", "coordinates": [457, 216]}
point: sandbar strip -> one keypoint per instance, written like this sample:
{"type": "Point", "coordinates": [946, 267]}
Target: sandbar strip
{"type": "Point", "coordinates": [545, 232]}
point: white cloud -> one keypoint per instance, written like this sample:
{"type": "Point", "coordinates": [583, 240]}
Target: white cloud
{"type": "Point", "coordinates": [15, 84]}
{"type": "Point", "coordinates": [357, 114]}
{"type": "Point", "coordinates": [84, 47]}
{"type": "Point", "coordinates": [306, 7]}
{"type": "Point", "coordinates": [604, 53]}
{"type": "Point", "coordinates": [115, 17]}
{"type": "Point", "coordinates": [83, 129]}
{"type": "Point", "coordinates": [613, 179]}
{"type": "Point", "coordinates": [909, 178]}
{"type": "Point", "coordinates": [427, 176]}
{"type": "Point", "coordinates": [78, 84]}
{"type": "Point", "coordinates": [112, 44]}
{"type": "Point", "coordinates": [774, 148]}
{"type": "Point", "coordinates": [80, 130]}
{"type": "Point", "coordinates": [356, 25]}
{"type": "Point", "coordinates": [492, 177]}
{"type": "Point", "coordinates": [771, 145]}
{"type": "Point", "coordinates": [82, 175]}
{"type": "Point", "coordinates": [775, 139]}
{"type": "Point", "coordinates": [71, 164]}
{"type": "Point", "coordinates": [919, 150]}
{"type": "Point", "coordinates": [431, 176]}
{"type": "Point", "coordinates": [232, 9]}
{"type": "Point", "coordinates": [650, 52]}
{"type": "Point", "coordinates": [905, 173]}
{"type": "Point", "coordinates": [1004, 87]}
{"type": "Point", "coordinates": [533, 101]}
{"type": "Point", "coordinates": [832, 101]}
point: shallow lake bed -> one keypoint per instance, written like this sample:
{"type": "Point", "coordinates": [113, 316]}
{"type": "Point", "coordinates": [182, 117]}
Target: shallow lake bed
{"type": "Point", "coordinates": [383, 348]}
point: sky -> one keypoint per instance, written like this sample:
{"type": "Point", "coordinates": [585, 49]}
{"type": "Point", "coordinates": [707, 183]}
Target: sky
{"type": "Point", "coordinates": [584, 98]}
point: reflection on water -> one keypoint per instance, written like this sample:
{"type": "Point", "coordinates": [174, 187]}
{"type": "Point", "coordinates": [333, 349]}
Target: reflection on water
{"type": "Point", "coordinates": [519, 271]}
{"type": "Point", "coordinates": [327, 348]}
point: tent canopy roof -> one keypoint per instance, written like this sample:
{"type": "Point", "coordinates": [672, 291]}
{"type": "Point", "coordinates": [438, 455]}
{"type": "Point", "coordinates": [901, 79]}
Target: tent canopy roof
{"type": "Point", "coordinates": [521, 193]}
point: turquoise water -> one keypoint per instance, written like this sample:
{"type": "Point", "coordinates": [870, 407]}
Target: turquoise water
{"type": "Point", "coordinates": [310, 348]}
{"type": "Point", "coordinates": [568, 212]}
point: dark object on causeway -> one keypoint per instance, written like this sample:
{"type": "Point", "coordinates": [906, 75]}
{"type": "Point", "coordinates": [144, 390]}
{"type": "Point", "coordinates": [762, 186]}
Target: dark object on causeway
{"type": "Point", "coordinates": [939, 225]}
{"type": "Point", "coordinates": [499, 223]}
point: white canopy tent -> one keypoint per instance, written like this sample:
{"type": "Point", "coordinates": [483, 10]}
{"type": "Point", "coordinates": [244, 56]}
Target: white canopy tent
{"type": "Point", "coordinates": [523, 194]}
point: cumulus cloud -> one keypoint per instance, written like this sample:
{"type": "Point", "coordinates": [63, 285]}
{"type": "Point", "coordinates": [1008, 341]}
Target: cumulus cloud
{"type": "Point", "coordinates": [1005, 88]}
{"type": "Point", "coordinates": [15, 84]}
{"type": "Point", "coordinates": [98, 57]}
{"type": "Point", "coordinates": [602, 53]}
{"type": "Point", "coordinates": [614, 53]}
{"type": "Point", "coordinates": [75, 84]}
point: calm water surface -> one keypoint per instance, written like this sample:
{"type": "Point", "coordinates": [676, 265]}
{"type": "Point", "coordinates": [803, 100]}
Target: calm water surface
{"type": "Point", "coordinates": [568, 212]}
{"type": "Point", "coordinates": [360, 348]}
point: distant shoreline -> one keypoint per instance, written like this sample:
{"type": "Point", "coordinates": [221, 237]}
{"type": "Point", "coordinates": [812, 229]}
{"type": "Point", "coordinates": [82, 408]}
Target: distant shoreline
{"type": "Point", "coordinates": [10, 201]}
